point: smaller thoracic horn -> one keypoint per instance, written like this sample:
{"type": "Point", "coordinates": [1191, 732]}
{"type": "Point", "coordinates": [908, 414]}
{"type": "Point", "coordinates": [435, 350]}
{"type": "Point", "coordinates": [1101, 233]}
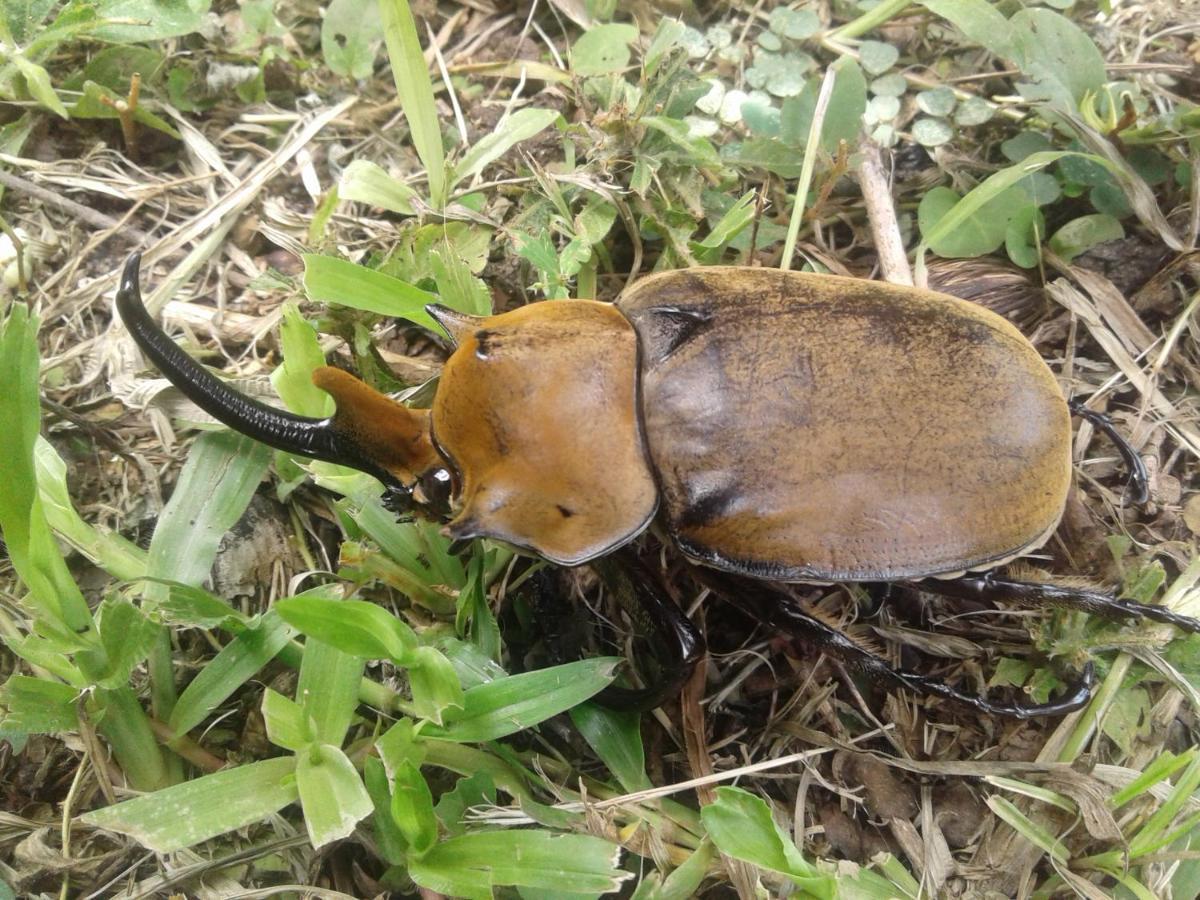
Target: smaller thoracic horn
{"type": "Point", "coordinates": [370, 431]}
{"type": "Point", "coordinates": [458, 325]}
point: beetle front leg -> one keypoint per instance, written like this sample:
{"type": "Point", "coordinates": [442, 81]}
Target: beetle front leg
{"type": "Point", "coordinates": [641, 595]}
{"type": "Point", "coordinates": [783, 612]}
{"type": "Point", "coordinates": [678, 645]}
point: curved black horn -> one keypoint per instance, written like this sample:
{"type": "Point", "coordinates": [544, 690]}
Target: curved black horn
{"type": "Point", "coordinates": [316, 438]}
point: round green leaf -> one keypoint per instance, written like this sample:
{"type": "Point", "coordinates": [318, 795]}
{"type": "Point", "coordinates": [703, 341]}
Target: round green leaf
{"type": "Point", "coordinates": [1023, 239]}
{"type": "Point", "coordinates": [973, 111]}
{"type": "Point", "coordinates": [891, 85]}
{"type": "Point", "coordinates": [794, 24]}
{"type": "Point", "coordinates": [1110, 199]}
{"type": "Point", "coordinates": [877, 57]}
{"type": "Point", "coordinates": [882, 109]}
{"type": "Point", "coordinates": [1024, 144]}
{"type": "Point", "coordinates": [770, 41]}
{"type": "Point", "coordinates": [1041, 187]}
{"type": "Point", "coordinates": [603, 49]}
{"type": "Point", "coordinates": [1084, 233]}
{"type": "Point", "coordinates": [937, 102]}
{"type": "Point", "coordinates": [932, 132]}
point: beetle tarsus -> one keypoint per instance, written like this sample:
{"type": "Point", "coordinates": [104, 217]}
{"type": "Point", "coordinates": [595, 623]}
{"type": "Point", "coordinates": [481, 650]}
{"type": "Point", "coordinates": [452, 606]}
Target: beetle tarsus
{"type": "Point", "coordinates": [1139, 478]}
{"type": "Point", "coordinates": [991, 587]}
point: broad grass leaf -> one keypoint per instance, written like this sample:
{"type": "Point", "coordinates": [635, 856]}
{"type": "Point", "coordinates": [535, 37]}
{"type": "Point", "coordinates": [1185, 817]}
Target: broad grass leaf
{"type": "Point", "coordinates": [415, 90]}
{"type": "Point", "coordinates": [236, 663]}
{"type": "Point", "coordinates": [37, 82]}
{"type": "Point", "coordinates": [434, 683]}
{"type": "Point", "coordinates": [387, 833]}
{"type": "Point", "coordinates": [368, 182]}
{"type": "Point", "coordinates": [412, 809]}
{"type": "Point", "coordinates": [472, 864]}
{"type": "Point", "coordinates": [186, 814]}
{"type": "Point", "coordinates": [53, 593]}
{"type": "Point", "coordinates": [302, 355]}
{"type": "Point", "coordinates": [328, 689]}
{"type": "Point", "coordinates": [741, 826]}
{"type": "Point", "coordinates": [1083, 233]}
{"type": "Point", "coordinates": [287, 725]}
{"type": "Point", "coordinates": [520, 126]}
{"type": "Point", "coordinates": [512, 704]}
{"type": "Point", "coordinates": [353, 626]}
{"type": "Point", "coordinates": [127, 637]}
{"type": "Point", "coordinates": [616, 737]}
{"type": "Point", "coordinates": [332, 794]}
{"type": "Point", "coordinates": [333, 280]}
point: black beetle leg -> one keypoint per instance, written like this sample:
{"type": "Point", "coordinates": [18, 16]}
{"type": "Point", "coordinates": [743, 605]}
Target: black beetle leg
{"type": "Point", "coordinates": [786, 614]}
{"type": "Point", "coordinates": [678, 642]}
{"type": "Point", "coordinates": [989, 586]}
{"type": "Point", "coordinates": [1139, 479]}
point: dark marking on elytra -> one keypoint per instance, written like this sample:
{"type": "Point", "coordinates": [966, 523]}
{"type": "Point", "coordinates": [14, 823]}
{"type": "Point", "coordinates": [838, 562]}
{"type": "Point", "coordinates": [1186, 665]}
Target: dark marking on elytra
{"type": "Point", "coordinates": [566, 513]}
{"type": "Point", "coordinates": [708, 507]}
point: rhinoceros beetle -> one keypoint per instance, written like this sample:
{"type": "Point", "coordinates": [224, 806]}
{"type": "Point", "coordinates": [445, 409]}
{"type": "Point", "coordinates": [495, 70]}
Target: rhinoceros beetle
{"type": "Point", "coordinates": [782, 427]}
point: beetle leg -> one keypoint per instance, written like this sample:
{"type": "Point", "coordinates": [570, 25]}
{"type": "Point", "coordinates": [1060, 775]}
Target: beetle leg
{"type": "Point", "coordinates": [678, 644]}
{"type": "Point", "coordinates": [989, 586]}
{"type": "Point", "coordinates": [1138, 478]}
{"type": "Point", "coordinates": [640, 594]}
{"type": "Point", "coordinates": [783, 612]}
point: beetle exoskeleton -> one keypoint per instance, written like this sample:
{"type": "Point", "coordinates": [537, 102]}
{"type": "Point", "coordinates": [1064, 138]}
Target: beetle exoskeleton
{"type": "Point", "coordinates": [798, 426]}
{"type": "Point", "coordinates": [786, 426]}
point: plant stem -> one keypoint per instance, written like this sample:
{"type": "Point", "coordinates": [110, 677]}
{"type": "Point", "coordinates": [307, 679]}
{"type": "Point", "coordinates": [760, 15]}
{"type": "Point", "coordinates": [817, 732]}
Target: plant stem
{"type": "Point", "coordinates": [869, 20]}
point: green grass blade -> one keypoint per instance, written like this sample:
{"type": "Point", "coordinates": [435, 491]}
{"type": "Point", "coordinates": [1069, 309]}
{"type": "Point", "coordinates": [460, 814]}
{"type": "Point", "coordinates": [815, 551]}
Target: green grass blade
{"type": "Point", "coordinates": [328, 689]}
{"type": "Point", "coordinates": [331, 792]}
{"type": "Point", "coordinates": [470, 865]}
{"type": "Point", "coordinates": [1027, 828]}
{"type": "Point", "coordinates": [520, 126]}
{"type": "Point", "coordinates": [617, 739]}
{"type": "Point", "coordinates": [741, 826]}
{"type": "Point", "coordinates": [414, 87]}
{"type": "Point", "coordinates": [222, 472]}
{"type": "Point", "coordinates": [989, 189]}
{"type": "Point", "coordinates": [509, 705]}
{"type": "Point", "coordinates": [186, 814]}
{"type": "Point", "coordinates": [117, 556]}
{"type": "Point", "coordinates": [237, 662]}
{"type": "Point", "coordinates": [31, 547]}
{"type": "Point", "coordinates": [333, 280]}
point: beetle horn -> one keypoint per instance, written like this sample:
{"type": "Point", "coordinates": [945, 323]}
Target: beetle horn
{"type": "Point", "coordinates": [370, 431]}
{"type": "Point", "coordinates": [457, 324]}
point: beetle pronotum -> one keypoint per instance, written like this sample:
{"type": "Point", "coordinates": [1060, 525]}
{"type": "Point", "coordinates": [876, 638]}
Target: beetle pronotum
{"type": "Point", "coordinates": [783, 426]}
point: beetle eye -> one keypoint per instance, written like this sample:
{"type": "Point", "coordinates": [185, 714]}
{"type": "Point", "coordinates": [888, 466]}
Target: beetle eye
{"type": "Point", "coordinates": [432, 491]}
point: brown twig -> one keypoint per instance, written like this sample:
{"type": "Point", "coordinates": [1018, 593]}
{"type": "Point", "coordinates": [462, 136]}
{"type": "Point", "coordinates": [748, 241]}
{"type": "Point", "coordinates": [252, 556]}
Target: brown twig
{"type": "Point", "coordinates": [76, 210]}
